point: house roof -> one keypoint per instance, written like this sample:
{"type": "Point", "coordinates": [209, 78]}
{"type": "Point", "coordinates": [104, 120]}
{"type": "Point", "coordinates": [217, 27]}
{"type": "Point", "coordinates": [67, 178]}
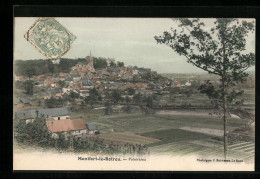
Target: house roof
{"type": "Point", "coordinates": [25, 114]}
{"type": "Point", "coordinates": [86, 82]}
{"type": "Point", "coordinates": [69, 79]}
{"type": "Point", "coordinates": [113, 69]}
{"type": "Point", "coordinates": [75, 75]}
{"type": "Point", "coordinates": [66, 125]}
{"type": "Point", "coordinates": [54, 91]}
{"type": "Point", "coordinates": [92, 126]}
{"type": "Point", "coordinates": [113, 84]}
{"type": "Point", "coordinates": [84, 92]}
{"type": "Point", "coordinates": [54, 112]}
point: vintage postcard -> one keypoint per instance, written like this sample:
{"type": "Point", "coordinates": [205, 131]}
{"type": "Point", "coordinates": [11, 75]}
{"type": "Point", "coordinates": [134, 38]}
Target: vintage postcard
{"type": "Point", "coordinates": [134, 94]}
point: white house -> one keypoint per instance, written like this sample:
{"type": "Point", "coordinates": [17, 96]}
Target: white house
{"type": "Point", "coordinates": [188, 83]}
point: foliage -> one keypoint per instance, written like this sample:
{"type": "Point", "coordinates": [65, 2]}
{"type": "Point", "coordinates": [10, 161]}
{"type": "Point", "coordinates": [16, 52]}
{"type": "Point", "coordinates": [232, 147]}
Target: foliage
{"type": "Point", "coordinates": [116, 96]}
{"type": "Point", "coordinates": [127, 108]}
{"type": "Point", "coordinates": [108, 108]}
{"type": "Point", "coordinates": [120, 64]}
{"type": "Point", "coordinates": [21, 131]}
{"type": "Point", "coordinates": [99, 63]}
{"type": "Point", "coordinates": [93, 97]}
{"type": "Point", "coordinates": [73, 95]}
{"type": "Point", "coordinates": [35, 132]}
{"type": "Point", "coordinates": [137, 98]}
{"type": "Point", "coordinates": [30, 68]}
{"type": "Point", "coordinates": [52, 102]}
{"type": "Point", "coordinates": [61, 83]}
{"type": "Point", "coordinates": [149, 101]}
{"type": "Point", "coordinates": [61, 142]}
{"type": "Point", "coordinates": [127, 99]}
{"type": "Point", "coordinates": [28, 86]}
{"type": "Point", "coordinates": [112, 63]}
{"type": "Point", "coordinates": [220, 51]}
{"type": "Point", "coordinates": [130, 91]}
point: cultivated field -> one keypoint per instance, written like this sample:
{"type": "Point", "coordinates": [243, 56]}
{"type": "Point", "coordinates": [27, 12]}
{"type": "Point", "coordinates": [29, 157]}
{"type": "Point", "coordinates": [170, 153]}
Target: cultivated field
{"type": "Point", "coordinates": [173, 132]}
{"type": "Point", "coordinates": [122, 138]}
{"type": "Point", "coordinates": [206, 148]}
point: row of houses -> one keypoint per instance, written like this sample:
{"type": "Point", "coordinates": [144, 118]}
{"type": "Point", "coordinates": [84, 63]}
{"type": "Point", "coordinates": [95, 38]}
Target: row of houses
{"type": "Point", "coordinates": [58, 120]}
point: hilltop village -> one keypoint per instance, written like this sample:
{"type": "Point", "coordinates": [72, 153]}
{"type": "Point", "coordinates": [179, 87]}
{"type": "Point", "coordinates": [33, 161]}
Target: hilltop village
{"type": "Point", "coordinates": [95, 102]}
{"type": "Point", "coordinates": [113, 88]}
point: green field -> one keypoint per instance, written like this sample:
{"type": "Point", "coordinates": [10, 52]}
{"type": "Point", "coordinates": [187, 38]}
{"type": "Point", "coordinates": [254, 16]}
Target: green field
{"type": "Point", "coordinates": [140, 123]}
{"type": "Point", "coordinates": [174, 135]}
{"type": "Point", "coordinates": [166, 128]}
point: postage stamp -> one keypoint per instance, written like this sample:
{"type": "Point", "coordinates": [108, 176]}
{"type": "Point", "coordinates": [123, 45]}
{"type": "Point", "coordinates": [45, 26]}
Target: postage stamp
{"type": "Point", "coordinates": [50, 37]}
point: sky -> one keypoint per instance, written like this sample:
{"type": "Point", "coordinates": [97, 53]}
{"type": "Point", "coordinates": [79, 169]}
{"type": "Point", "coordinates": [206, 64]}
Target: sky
{"type": "Point", "coordinates": [130, 40]}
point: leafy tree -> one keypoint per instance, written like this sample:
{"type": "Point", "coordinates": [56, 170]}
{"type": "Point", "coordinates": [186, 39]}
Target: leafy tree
{"type": "Point", "coordinates": [127, 99]}
{"type": "Point", "coordinates": [108, 108]}
{"type": "Point", "coordinates": [30, 72]}
{"type": "Point", "coordinates": [50, 66]}
{"type": "Point", "coordinates": [62, 142]}
{"type": "Point", "coordinates": [28, 85]}
{"type": "Point", "coordinates": [149, 101]}
{"type": "Point", "coordinates": [116, 96]}
{"type": "Point", "coordinates": [52, 102]}
{"type": "Point", "coordinates": [93, 97]}
{"type": "Point", "coordinates": [66, 64]}
{"type": "Point", "coordinates": [112, 63]}
{"type": "Point", "coordinates": [73, 95]}
{"type": "Point", "coordinates": [61, 83]}
{"type": "Point", "coordinates": [220, 51]}
{"type": "Point", "coordinates": [99, 63]}
{"type": "Point", "coordinates": [130, 91]}
{"type": "Point", "coordinates": [137, 98]}
{"type": "Point", "coordinates": [120, 64]}
{"type": "Point", "coordinates": [188, 92]}
{"type": "Point", "coordinates": [20, 129]}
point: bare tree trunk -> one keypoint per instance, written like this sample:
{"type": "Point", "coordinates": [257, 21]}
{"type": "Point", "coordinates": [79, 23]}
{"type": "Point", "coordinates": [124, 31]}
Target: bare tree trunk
{"type": "Point", "coordinates": [225, 120]}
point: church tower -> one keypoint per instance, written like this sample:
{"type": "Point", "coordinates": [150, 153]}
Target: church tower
{"type": "Point", "coordinates": [90, 63]}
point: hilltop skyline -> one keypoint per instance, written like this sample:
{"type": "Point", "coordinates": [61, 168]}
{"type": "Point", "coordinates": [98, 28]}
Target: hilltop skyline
{"type": "Point", "coordinates": [128, 40]}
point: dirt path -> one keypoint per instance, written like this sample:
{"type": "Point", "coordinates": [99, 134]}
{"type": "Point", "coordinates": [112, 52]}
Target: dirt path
{"type": "Point", "coordinates": [182, 113]}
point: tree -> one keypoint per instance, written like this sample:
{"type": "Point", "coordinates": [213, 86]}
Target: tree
{"type": "Point", "coordinates": [220, 51]}
{"type": "Point", "coordinates": [50, 66]}
{"type": "Point", "coordinates": [112, 63]}
{"type": "Point", "coordinates": [120, 64]}
{"type": "Point", "coordinates": [52, 102]}
{"type": "Point", "coordinates": [108, 108]}
{"type": "Point", "coordinates": [137, 98]}
{"type": "Point", "coordinates": [93, 97]}
{"type": "Point", "coordinates": [116, 95]}
{"type": "Point", "coordinates": [30, 72]}
{"type": "Point", "coordinates": [20, 129]}
{"type": "Point", "coordinates": [127, 99]}
{"type": "Point", "coordinates": [130, 91]}
{"type": "Point", "coordinates": [61, 83]}
{"type": "Point", "coordinates": [149, 101]}
{"type": "Point", "coordinates": [99, 63]}
{"type": "Point", "coordinates": [28, 85]}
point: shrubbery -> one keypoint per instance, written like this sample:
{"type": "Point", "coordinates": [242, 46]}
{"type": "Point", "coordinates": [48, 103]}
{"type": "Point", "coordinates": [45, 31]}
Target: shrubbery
{"type": "Point", "coordinates": [36, 133]}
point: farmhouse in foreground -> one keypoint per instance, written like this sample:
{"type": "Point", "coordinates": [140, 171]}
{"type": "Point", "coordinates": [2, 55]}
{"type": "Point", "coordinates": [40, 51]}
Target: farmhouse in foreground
{"type": "Point", "coordinates": [67, 126]}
